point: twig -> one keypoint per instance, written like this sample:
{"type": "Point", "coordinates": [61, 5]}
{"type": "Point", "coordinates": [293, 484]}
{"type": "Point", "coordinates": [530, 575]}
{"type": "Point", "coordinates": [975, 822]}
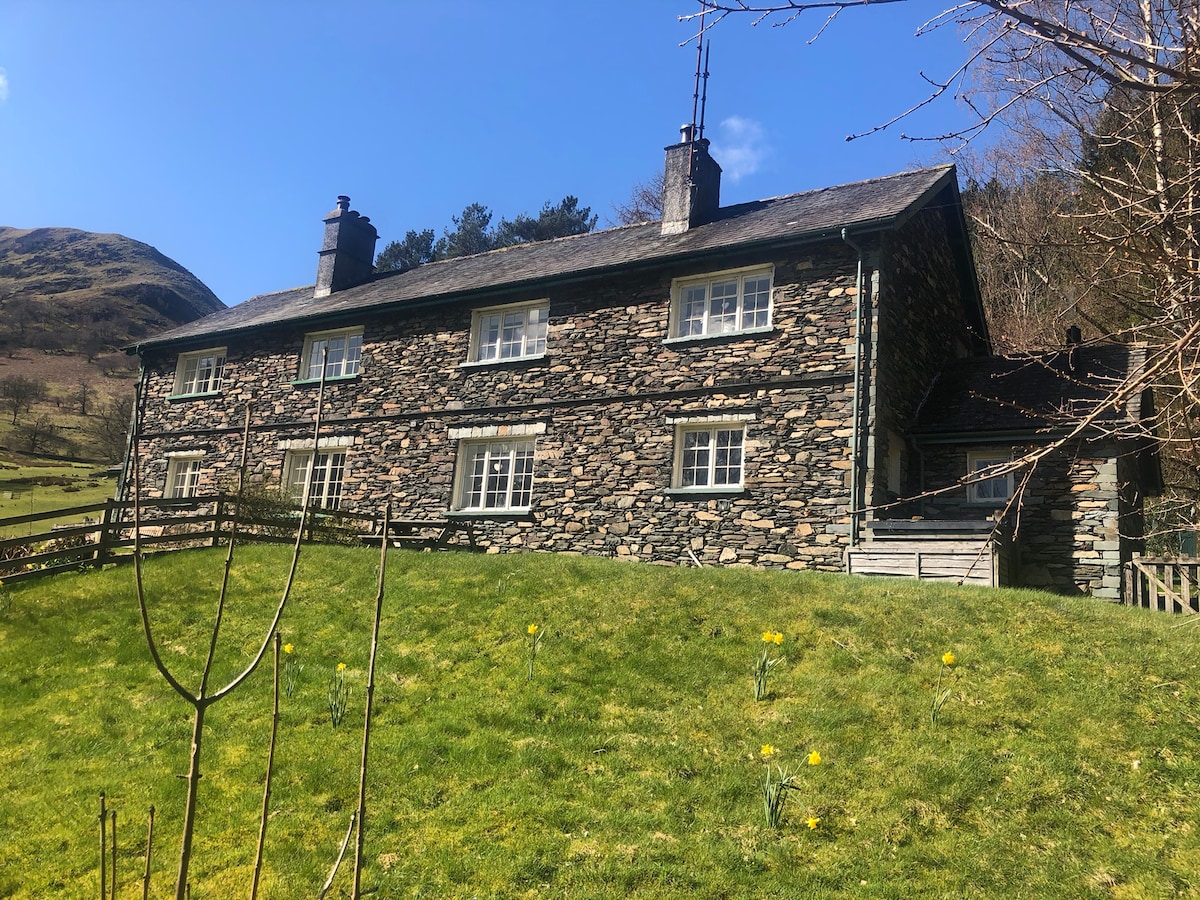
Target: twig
{"type": "Point", "coordinates": [338, 862]}
{"type": "Point", "coordinates": [149, 847]}
{"type": "Point", "coordinates": [366, 740]}
{"type": "Point", "coordinates": [266, 801]}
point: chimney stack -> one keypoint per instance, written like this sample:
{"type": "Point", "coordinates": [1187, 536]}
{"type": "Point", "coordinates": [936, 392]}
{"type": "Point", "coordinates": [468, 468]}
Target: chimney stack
{"type": "Point", "coordinates": [347, 256]}
{"type": "Point", "coordinates": [691, 184]}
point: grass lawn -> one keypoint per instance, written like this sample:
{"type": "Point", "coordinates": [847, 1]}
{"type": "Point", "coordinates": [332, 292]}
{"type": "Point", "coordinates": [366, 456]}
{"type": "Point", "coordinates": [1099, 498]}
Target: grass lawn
{"type": "Point", "coordinates": [1064, 762]}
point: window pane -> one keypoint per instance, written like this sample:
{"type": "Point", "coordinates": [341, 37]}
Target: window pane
{"type": "Point", "coordinates": [694, 463]}
{"type": "Point", "coordinates": [315, 355]}
{"type": "Point", "coordinates": [489, 337]}
{"type": "Point", "coordinates": [535, 340]}
{"type": "Point", "coordinates": [522, 485]}
{"type": "Point", "coordinates": [756, 303]}
{"type": "Point", "coordinates": [692, 309]}
{"type": "Point", "coordinates": [722, 315]}
{"type": "Point", "coordinates": [727, 464]}
{"type": "Point", "coordinates": [335, 357]}
{"type": "Point", "coordinates": [353, 354]}
{"type": "Point", "coordinates": [512, 340]}
{"type": "Point", "coordinates": [499, 471]}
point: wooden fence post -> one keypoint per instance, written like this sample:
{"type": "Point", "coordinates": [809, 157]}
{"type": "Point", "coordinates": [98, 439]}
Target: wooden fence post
{"type": "Point", "coordinates": [218, 518]}
{"type": "Point", "coordinates": [104, 545]}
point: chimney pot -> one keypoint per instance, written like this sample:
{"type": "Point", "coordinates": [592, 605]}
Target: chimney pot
{"type": "Point", "coordinates": [686, 133]}
{"type": "Point", "coordinates": [343, 202]}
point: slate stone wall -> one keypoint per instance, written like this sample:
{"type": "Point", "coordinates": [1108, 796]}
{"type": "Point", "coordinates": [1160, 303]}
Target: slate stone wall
{"type": "Point", "coordinates": [605, 395]}
{"type": "Point", "coordinates": [1066, 527]}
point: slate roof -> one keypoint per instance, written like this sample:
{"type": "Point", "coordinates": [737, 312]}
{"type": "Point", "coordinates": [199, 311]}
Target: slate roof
{"type": "Point", "coordinates": [878, 203]}
{"type": "Point", "coordinates": [981, 398]}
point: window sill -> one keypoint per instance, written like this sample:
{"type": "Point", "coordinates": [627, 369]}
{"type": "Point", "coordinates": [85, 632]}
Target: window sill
{"type": "Point", "coordinates": [179, 398]}
{"type": "Point", "coordinates": [707, 491]}
{"type": "Point", "coordinates": [492, 363]}
{"type": "Point", "coordinates": [514, 513]}
{"type": "Point", "coordinates": [722, 336]}
{"type": "Point", "coordinates": [312, 382]}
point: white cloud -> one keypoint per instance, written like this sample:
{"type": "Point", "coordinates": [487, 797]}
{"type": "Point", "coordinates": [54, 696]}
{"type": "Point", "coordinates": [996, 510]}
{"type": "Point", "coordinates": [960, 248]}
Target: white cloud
{"type": "Point", "coordinates": [740, 147]}
{"type": "Point", "coordinates": [3, 85]}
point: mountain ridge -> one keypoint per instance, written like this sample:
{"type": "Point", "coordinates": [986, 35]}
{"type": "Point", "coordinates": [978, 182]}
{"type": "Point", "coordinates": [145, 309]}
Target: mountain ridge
{"type": "Point", "coordinates": [89, 292]}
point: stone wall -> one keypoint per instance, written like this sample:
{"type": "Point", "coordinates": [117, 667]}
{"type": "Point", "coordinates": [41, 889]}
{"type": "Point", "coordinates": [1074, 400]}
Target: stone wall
{"type": "Point", "coordinates": [920, 325]}
{"type": "Point", "coordinates": [1067, 523]}
{"type": "Point", "coordinates": [604, 397]}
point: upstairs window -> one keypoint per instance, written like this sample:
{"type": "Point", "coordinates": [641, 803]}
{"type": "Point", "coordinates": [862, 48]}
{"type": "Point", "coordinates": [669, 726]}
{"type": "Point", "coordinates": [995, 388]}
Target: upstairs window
{"type": "Point", "coordinates": [709, 456]}
{"type": "Point", "coordinates": [726, 303]}
{"type": "Point", "coordinates": [342, 352]}
{"type": "Point", "coordinates": [994, 490]}
{"type": "Point", "coordinates": [495, 476]}
{"type": "Point", "coordinates": [509, 332]}
{"type": "Point", "coordinates": [199, 372]}
{"type": "Point", "coordinates": [327, 476]}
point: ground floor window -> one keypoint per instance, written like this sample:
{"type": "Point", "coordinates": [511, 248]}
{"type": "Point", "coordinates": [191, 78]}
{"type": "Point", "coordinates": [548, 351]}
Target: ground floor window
{"type": "Point", "coordinates": [327, 476]}
{"type": "Point", "coordinates": [709, 456]}
{"type": "Point", "coordinates": [183, 476]}
{"type": "Point", "coordinates": [995, 489]}
{"type": "Point", "coordinates": [495, 475]}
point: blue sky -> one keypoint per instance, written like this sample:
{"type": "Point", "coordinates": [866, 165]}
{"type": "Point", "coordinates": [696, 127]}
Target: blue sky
{"type": "Point", "coordinates": [222, 131]}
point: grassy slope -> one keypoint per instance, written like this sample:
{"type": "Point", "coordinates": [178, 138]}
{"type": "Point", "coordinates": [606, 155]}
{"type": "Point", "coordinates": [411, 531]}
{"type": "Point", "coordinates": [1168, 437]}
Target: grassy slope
{"type": "Point", "coordinates": [86, 484]}
{"type": "Point", "coordinates": [1064, 763]}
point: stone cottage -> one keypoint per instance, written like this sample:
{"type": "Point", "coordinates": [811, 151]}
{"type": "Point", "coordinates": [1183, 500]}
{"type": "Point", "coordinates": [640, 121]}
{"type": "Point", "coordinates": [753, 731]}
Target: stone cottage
{"type": "Point", "coordinates": [729, 385]}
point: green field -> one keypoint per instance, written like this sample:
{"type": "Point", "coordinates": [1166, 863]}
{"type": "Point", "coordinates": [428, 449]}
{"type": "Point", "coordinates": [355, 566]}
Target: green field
{"type": "Point", "coordinates": [36, 489]}
{"type": "Point", "coordinates": [1064, 762]}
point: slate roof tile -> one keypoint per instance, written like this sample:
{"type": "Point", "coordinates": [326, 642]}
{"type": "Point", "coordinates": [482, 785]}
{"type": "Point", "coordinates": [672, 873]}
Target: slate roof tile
{"type": "Point", "coordinates": [1034, 393]}
{"type": "Point", "coordinates": [878, 202]}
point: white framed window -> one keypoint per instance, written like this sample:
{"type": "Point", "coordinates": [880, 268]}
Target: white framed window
{"type": "Point", "coordinates": [722, 303]}
{"type": "Point", "coordinates": [517, 331]}
{"type": "Point", "coordinates": [709, 456]}
{"type": "Point", "coordinates": [342, 351]}
{"type": "Point", "coordinates": [996, 489]}
{"type": "Point", "coordinates": [495, 475]}
{"type": "Point", "coordinates": [183, 475]}
{"type": "Point", "coordinates": [199, 372]}
{"type": "Point", "coordinates": [327, 476]}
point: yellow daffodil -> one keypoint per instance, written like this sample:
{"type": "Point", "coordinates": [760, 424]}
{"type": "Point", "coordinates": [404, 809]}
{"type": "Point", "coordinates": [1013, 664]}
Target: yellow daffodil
{"type": "Point", "coordinates": [288, 648]}
{"type": "Point", "coordinates": [813, 822]}
{"type": "Point", "coordinates": [768, 636]}
{"type": "Point", "coordinates": [814, 758]}
{"type": "Point", "coordinates": [532, 629]}
{"type": "Point", "coordinates": [341, 667]}
{"type": "Point", "coordinates": [777, 637]}
{"type": "Point", "coordinates": [947, 658]}
{"type": "Point", "coordinates": [768, 750]}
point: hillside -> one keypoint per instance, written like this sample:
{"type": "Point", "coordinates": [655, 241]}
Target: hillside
{"type": "Point", "coordinates": [65, 289]}
{"type": "Point", "coordinates": [1063, 762]}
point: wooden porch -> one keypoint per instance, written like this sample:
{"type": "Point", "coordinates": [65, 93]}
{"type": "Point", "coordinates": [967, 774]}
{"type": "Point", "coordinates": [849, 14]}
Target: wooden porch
{"type": "Point", "coordinates": [964, 552]}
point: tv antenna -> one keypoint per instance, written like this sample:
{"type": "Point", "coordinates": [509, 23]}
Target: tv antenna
{"type": "Point", "coordinates": [700, 91]}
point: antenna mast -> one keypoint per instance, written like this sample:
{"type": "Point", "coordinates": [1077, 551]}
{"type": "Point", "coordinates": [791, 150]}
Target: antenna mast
{"type": "Point", "coordinates": [699, 54]}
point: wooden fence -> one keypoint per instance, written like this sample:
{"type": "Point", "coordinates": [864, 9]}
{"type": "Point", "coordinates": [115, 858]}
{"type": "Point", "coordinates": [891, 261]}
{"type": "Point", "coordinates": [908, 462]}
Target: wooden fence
{"type": "Point", "coordinates": [1171, 585]}
{"type": "Point", "coordinates": [46, 548]}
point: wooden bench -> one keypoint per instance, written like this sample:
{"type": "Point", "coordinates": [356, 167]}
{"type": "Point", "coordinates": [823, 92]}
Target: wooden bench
{"type": "Point", "coordinates": [428, 534]}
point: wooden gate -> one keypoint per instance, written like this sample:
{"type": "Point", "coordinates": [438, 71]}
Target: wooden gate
{"type": "Point", "coordinates": [1171, 585]}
